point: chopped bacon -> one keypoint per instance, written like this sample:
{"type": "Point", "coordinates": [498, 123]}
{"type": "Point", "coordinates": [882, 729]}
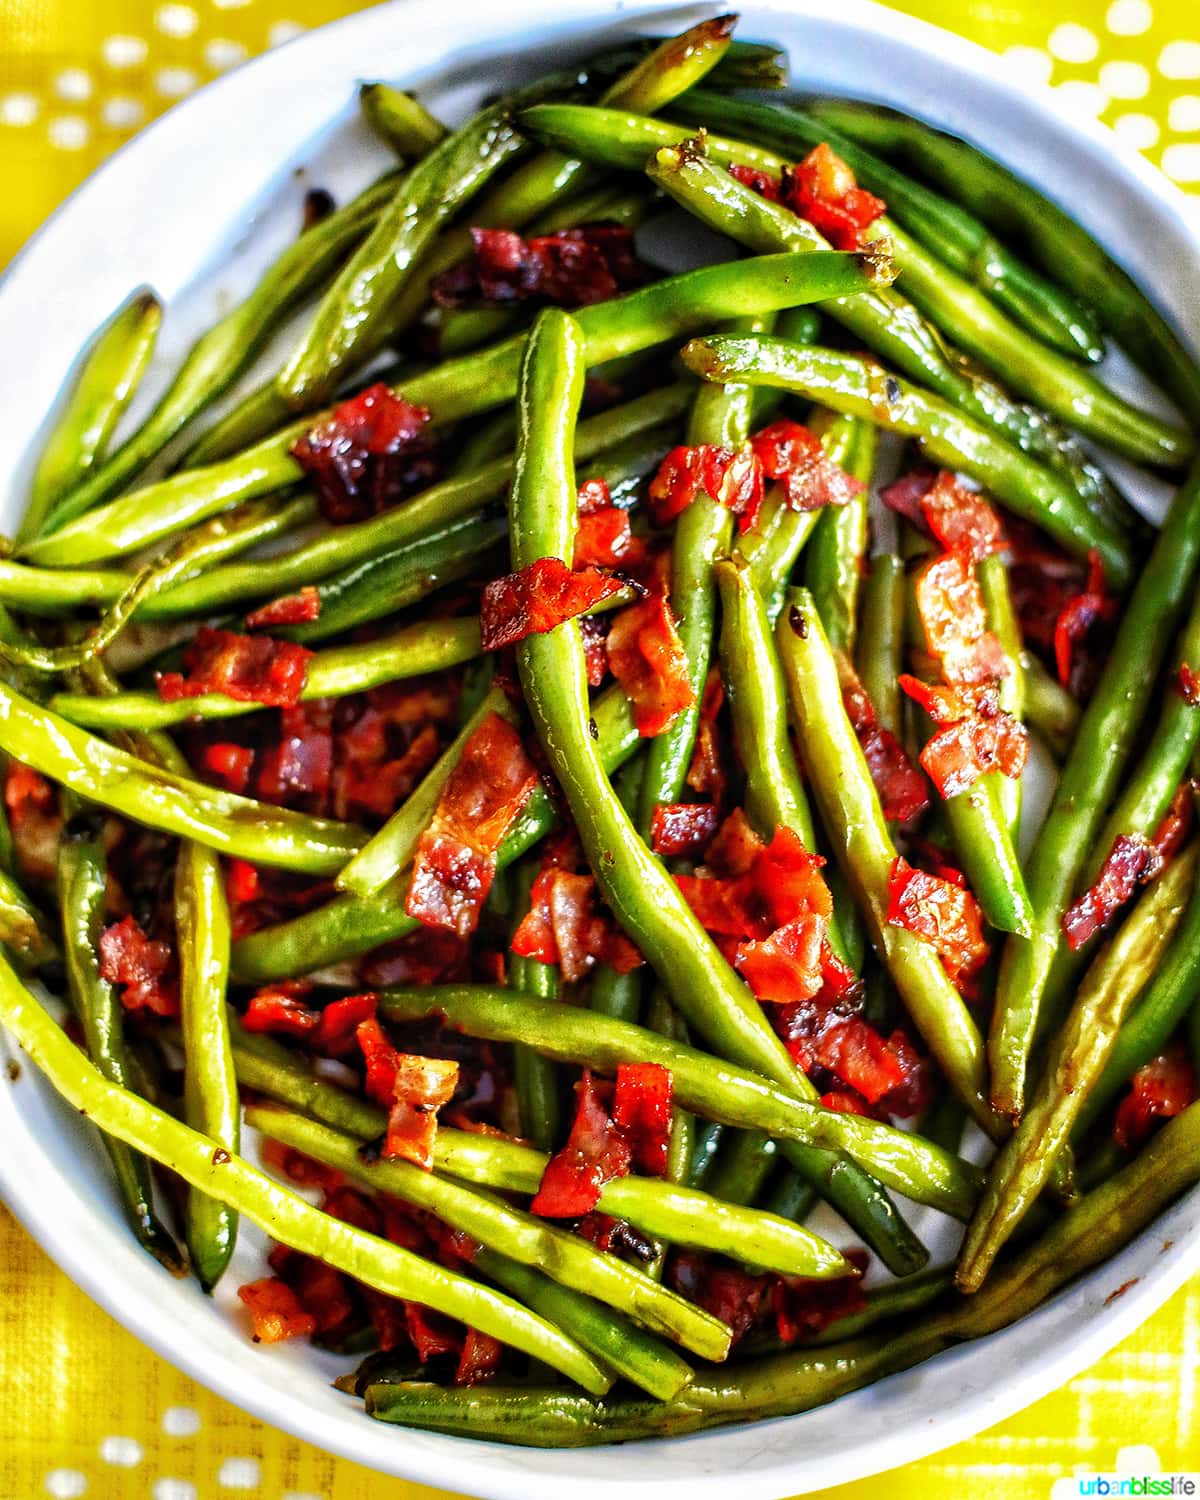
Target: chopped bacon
{"type": "Point", "coordinates": [455, 861]}
{"type": "Point", "coordinates": [805, 1306]}
{"type": "Point", "coordinates": [296, 770]}
{"type": "Point", "coordinates": [368, 453]}
{"type": "Point", "coordinates": [593, 495]}
{"type": "Point", "coordinates": [950, 603]}
{"type": "Point", "coordinates": [430, 1334]}
{"type": "Point", "coordinates": [706, 773]}
{"type": "Point", "coordinates": [939, 912]}
{"type": "Point", "coordinates": [648, 660]}
{"type": "Point", "coordinates": [421, 1086]}
{"type": "Point", "coordinates": [1042, 579]}
{"type": "Point", "coordinates": [1082, 614]}
{"type": "Point", "coordinates": [337, 1030]}
{"type": "Point", "coordinates": [731, 477]}
{"type": "Point", "coordinates": [479, 1359]}
{"type": "Point", "coordinates": [823, 190]}
{"type": "Point", "coordinates": [605, 539]}
{"type": "Point", "coordinates": [595, 1153]}
{"type": "Point", "coordinates": [430, 955]}
{"type": "Point", "coordinates": [280, 1011]}
{"type": "Point", "coordinates": [539, 598]}
{"type": "Point", "coordinates": [382, 1060]}
{"type": "Point", "coordinates": [974, 737]}
{"type": "Point", "coordinates": [679, 829]}
{"type": "Point", "coordinates": [782, 882]}
{"type": "Point", "coordinates": [960, 519]}
{"type": "Point", "coordinates": [904, 495]}
{"type": "Point", "coordinates": [228, 764]}
{"type": "Point", "coordinates": [796, 459]}
{"type": "Point", "coordinates": [1163, 1088]}
{"type": "Point", "coordinates": [1187, 684]}
{"type": "Point", "coordinates": [594, 630]}
{"type": "Point", "coordinates": [641, 1110]}
{"type": "Point", "coordinates": [34, 818]}
{"type": "Point", "coordinates": [275, 1311]}
{"type": "Point", "coordinates": [731, 1294]}
{"type": "Point", "coordinates": [322, 1291]}
{"type": "Point", "coordinates": [1133, 860]}
{"type": "Point", "coordinates": [901, 787]}
{"type": "Point", "coordinates": [142, 968]}
{"type": "Point", "coordinates": [249, 668]}
{"type": "Point", "coordinates": [572, 268]}
{"type": "Point", "coordinates": [885, 1072]}
{"type": "Point", "coordinates": [846, 1102]}
{"type": "Point", "coordinates": [366, 779]}
{"type": "Point", "coordinates": [786, 965]}
{"type": "Point", "coordinates": [303, 1170]}
{"type": "Point", "coordinates": [291, 609]}
{"type": "Point", "coordinates": [564, 924]}
{"type": "Point", "coordinates": [763, 183]}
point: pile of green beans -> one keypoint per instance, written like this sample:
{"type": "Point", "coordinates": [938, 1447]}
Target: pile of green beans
{"type": "Point", "coordinates": [219, 830]}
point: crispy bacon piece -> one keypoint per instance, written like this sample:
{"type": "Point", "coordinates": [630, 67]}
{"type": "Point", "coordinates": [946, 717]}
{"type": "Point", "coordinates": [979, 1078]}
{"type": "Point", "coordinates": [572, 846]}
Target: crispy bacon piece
{"type": "Point", "coordinates": [1163, 1088]}
{"type": "Point", "coordinates": [795, 458]}
{"type": "Point", "coordinates": [593, 495]}
{"type": "Point", "coordinates": [974, 736]}
{"type": "Point", "coordinates": [322, 1291]}
{"type": "Point", "coordinates": [595, 1153]}
{"type": "Point", "coordinates": [732, 477]}
{"type": "Point", "coordinates": [368, 453]}
{"type": "Point", "coordinates": [950, 603]}
{"type": "Point", "coordinates": [573, 268]}
{"type": "Point", "coordinates": [641, 1111]}
{"type": "Point", "coordinates": [782, 882]}
{"type": "Point", "coordinates": [337, 1030]}
{"type": "Point", "coordinates": [539, 598]}
{"type": "Point", "coordinates": [823, 190]}
{"type": "Point", "coordinates": [901, 787]}
{"type": "Point", "coordinates": [34, 818]}
{"type": "Point", "coordinates": [297, 1167]}
{"type": "Point", "coordinates": [275, 1311]}
{"type": "Point", "coordinates": [250, 668]}
{"type": "Point", "coordinates": [834, 1036]}
{"type": "Point", "coordinates": [961, 519]}
{"type": "Point", "coordinates": [142, 968]}
{"type": "Point", "coordinates": [763, 183]}
{"type": "Point", "coordinates": [904, 495]}
{"type": "Point", "coordinates": [939, 912]}
{"type": "Point", "coordinates": [647, 658]}
{"type": "Point", "coordinates": [1187, 684]}
{"type": "Point", "coordinates": [846, 1102]}
{"type": "Point", "coordinates": [737, 1297]}
{"type": "Point", "coordinates": [455, 860]}
{"type": "Point", "coordinates": [682, 829]}
{"type": "Point", "coordinates": [291, 609]}
{"type": "Point", "coordinates": [594, 630]}
{"type": "Point", "coordinates": [296, 768]}
{"type": "Point", "coordinates": [228, 764]}
{"type": "Point", "coordinates": [605, 539]}
{"type": "Point", "coordinates": [707, 775]}
{"type": "Point", "coordinates": [421, 1086]}
{"type": "Point", "coordinates": [280, 1011]}
{"type": "Point", "coordinates": [1133, 860]}
{"type": "Point", "coordinates": [805, 1307]}
{"type": "Point", "coordinates": [1082, 614]}
{"type": "Point", "coordinates": [565, 924]}
{"type": "Point", "coordinates": [479, 1359]}
{"type": "Point", "coordinates": [786, 965]}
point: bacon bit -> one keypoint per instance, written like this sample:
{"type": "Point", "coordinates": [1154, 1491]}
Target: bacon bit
{"type": "Point", "coordinates": [682, 829]}
{"type": "Point", "coordinates": [939, 912]}
{"type": "Point", "coordinates": [142, 968]}
{"type": "Point", "coordinates": [281, 1012]}
{"type": "Point", "coordinates": [303, 1170]}
{"type": "Point", "coordinates": [479, 1359]}
{"type": "Point", "coordinates": [366, 781]}
{"type": "Point", "coordinates": [787, 965]}
{"type": "Point", "coordinates": [421, 1086]}
{"type": "Point", "coordinates": [564, 926]}
{"type": "Point", "coordinates": [904, 496]}
{"type": "Point", "coordinates": [796, 459]}
{"type": "Point", "coordinates": [846, 1102]}
{"type": "Point", "coordinates": [242, 881]}
{"type": "Point", "coordinates": [900, 785]}
{"type": "Point", "coordinates": [804, 1307]}
{"type": "Point", "coordinates": [338, 1028]}
{"type": "Point", "coordinates": [605, 539]}
{"type": "Point", "coordinates": [782, 882]}
{"type": "Point", "coordinates": [368, 453]}
{"type": "Point", "coordinates": [730, 477]}
{"type": "Point", "coordinates": [1075, 622]}
{"type": "Point", "coordinates": [973, 739]}
{"type": "Point", "coordinates": [706, 773]}
{"type": "Point", "coordinates": [763, 183]}
{"type": "Point", "coordinates": [573, 268]}
{"type": "Point", "coordinates": [275, 1311]}
{"type": "Point", "coordinates": [1163, 1088]}
{"type": "Point", "coordinates": [322, 1291]}
{"type": "Point", "coordinates": [594, 630]}
{"type": "Point", "coordinates": [950, 603]}
{"type": "Point", "coordinates": [248, 668]}
{"type": "Point", "coordinates": [962, 520]}
{"type": "Point", "coordinates": [648, 660]}
{"type": "Point", "coordinates": [455, 861]}
{"type": "Point", "coordinates": [593, 495]}
{"type": "Point", "coordinates": [228, 764]}
{"type": "Point", "coordinates": [430, 955]}
{"type": "Point", "coordinates": [291, 609]}
{"type": "Point", "coordinates": [888, 1073]}
{"type": "Point", "coordinates": [641, 1110]}
{"type": "Point", "coordinates": [297, 769]}
{"type": "Point", "coordinates": [382, 1059]}
{"type": "Point", "coordinates": [430, 1334]}
{"type": "Point", "coordinates": [1133, 860]}
{"type": "Point", "coordinates": [823, 190]}
{"type": "Point", "coordinates": [540, 598]}
{"type": "Point", "coordinates": [1187, 684]}
{"type": "Point", "coordinates": [595, 1153]}
{"type": "Point", "coordinates": [35, 820]}
{"type": "Point", "coordinates": [734, 1296]}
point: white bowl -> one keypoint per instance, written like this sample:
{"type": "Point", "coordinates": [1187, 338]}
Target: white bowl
{"type": "Point", "coordinates": [193, 207]}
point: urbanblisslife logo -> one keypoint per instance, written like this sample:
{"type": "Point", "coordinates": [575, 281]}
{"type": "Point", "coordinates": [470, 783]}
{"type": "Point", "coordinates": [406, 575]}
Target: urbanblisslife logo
{"type": "Point", "coordinates": [1111, 1486]}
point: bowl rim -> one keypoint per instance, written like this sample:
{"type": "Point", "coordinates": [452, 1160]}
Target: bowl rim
{"type": "Point", "coordinates": [448, 1461]}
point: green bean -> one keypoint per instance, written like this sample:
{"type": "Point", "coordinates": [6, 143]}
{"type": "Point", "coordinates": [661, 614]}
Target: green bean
{"type": "Point", "coordinates": [662, 1017]}
{"type": "Point", "coordinates": [678, 1214]}
{"type": "Point", "coordinates": [884, 1304]}
{"type": "Point", "coordinates": [747, 65]}
{"type": "Point", "coordinates": [210, 1096]}
{"type": "Point", "coordinates": [1047, 706]}
{"type": "Point", "coordinates": [615, 994]}
{"type": "Point", "coordinates": [853, 818]}
{"type": "Point", "coordinates": [1102, 1224]}
{"type": "Point", "coordinates": [1051, 237]}
{"type": "Point", "coordinates": [833, 563]}
{"type": "Point", "coordinates": [862, 389]}
{"type": "Point", "coordinates": [109, 376]}
{"type": "Point", "coordinates": [1103, 744]}
{"type": "Point", "coordinates": [880, 648]}
{"type": "Point", "coordinates": [791, 1196]}
{"type": "Point", "coordinates": [348, 926]}
{"type": "Point", "coordinates": [534, 1076]}
{"type": "Point", "coordinates": [1080, 1051]}
{"type": "Point", "coordinates": [1002, 622]}
{"type": "Point", "coordinates": [742, 1167]}
{"type": "Point", "coordinates": [559, 1254]}
{"type": "Point", "coordinates": [162, 799]}
{"type": "Point", "coordinates": [23, 929]}
{"type": "Point", "coordinates": [81, 879]}
{"type": "Point", "coordinates": [217, 358]}
{"type": "Point", "coordinates": [281, 1213]}
{"type": "Point", "coordinates": [887, 322]}
{"type": "Point", "coordinates": [400, 120]}
{"type": "Point", "coordinates": [712, 1089]}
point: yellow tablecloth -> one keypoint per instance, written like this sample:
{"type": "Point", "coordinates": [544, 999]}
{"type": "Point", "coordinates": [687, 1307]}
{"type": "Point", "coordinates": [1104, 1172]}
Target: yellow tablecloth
{"type": "Point", "coordinates": [84, 1409]}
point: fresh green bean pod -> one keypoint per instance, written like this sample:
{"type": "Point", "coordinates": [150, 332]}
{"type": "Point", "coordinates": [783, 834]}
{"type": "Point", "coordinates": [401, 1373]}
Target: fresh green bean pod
{"type": "Point", "coordinates": [1103, 744]}
{"type": "Point", "coordinates": [742, 1167]}
{"type": "Point", "coordinates": [81, 879]}
{"type": "Point", "coordinates": [833, 562]}
{"type": "Point", "coordinates": [284, 1215]}
{"type": "Point", "coordinates": [862, 389]}
{"type": "Point", "coordinates": [1023, 1164]}
{"type": "Point", "coordinates": [110, 375]}
{"type": "Point", "coordinates": [1050, 236]}
{"type": "Point", "coordinates": [1047, 706]}
{"type": "Point", "coordinates": [400, 120]}
{"type": "Point", "coordinates": [853, 818]}
{"type": "Point", "coordinates": [563, 1256]}
{"type": "Point", "coordinates": [23, 929]}
{"type": "Point", "coordinates": [879, 656]}
{"type": "Point", "coordinates": [163, 799]}
{"type": "Point", "coordinates": [534, 1077]}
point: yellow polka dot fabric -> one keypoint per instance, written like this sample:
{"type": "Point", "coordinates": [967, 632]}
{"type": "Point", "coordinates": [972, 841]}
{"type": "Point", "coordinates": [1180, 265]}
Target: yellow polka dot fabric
{"type": "Point", "coordinates": [84, 1409]}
